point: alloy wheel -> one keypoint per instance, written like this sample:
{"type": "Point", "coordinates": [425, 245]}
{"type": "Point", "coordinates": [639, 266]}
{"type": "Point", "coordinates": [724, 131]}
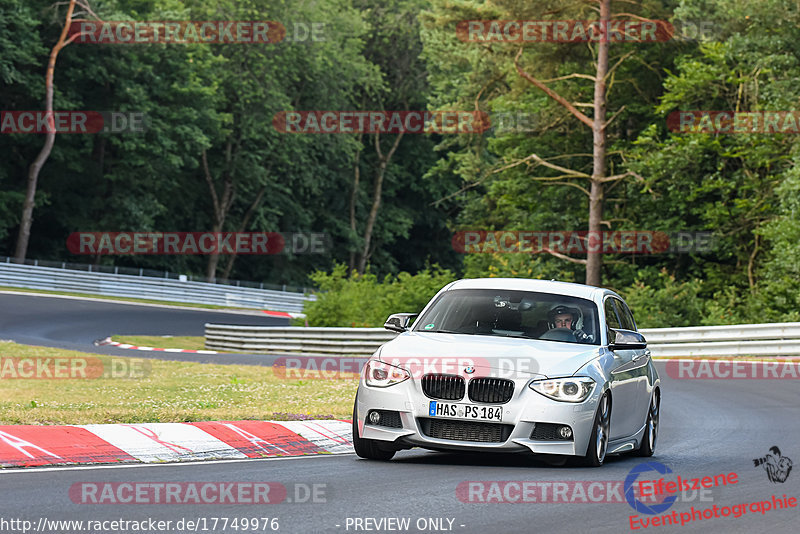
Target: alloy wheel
{"type": "Point", "coordinates": [652, 421]}
{"type": "Point", "coordinates": [603, 423]}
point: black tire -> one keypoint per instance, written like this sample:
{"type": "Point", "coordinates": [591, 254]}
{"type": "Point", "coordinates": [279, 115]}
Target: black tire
{"type": "Point", "coordinates": [598, 442]}
{"type": "Point", "coordinates": [368, 448]}
{"type": "Point", "coordinates": [648, 446]}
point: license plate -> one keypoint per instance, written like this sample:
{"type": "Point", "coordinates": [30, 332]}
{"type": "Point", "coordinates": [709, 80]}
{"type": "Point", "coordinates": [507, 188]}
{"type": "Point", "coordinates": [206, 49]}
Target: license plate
{"type": "Point", "coordinates": [465, 411]}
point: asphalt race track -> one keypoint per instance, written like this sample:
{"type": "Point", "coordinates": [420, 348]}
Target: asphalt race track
{"type": "Point", "coordinates": [75, 324]}
{"type": "Point", "coordinates": [708, 428]}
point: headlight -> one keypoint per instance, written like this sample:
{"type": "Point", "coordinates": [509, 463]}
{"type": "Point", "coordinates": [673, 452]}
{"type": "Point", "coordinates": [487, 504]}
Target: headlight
{"type": "Point", "coordinates": [572, 389]}
{"type": "Point", "coordinates": [381, 375]}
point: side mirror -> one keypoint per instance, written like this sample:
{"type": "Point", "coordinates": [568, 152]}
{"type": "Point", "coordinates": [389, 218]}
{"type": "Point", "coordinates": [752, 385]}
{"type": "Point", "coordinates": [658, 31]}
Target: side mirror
{"type": "Point", "coordinates": [399, 322]}
{"type": "Point", "coordinates": [619, 339]}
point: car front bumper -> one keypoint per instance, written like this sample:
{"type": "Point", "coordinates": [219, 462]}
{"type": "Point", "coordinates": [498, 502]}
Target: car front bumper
{"type": "Point", "coordinates": [525, 409]}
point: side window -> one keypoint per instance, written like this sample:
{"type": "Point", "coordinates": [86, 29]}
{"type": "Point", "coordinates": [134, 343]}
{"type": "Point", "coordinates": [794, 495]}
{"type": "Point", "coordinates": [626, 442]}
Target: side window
{"type": "Point", "coordinates": [625, 315]}
{"type": "Point", "coordinates": [611, 315]}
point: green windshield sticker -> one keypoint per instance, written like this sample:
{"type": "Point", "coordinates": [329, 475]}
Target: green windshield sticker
{"type": "Point", "coordinates": [429, 326]}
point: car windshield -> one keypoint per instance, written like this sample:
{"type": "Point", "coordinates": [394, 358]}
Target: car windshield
{"type": "Point", "coordinates": [506, 313]}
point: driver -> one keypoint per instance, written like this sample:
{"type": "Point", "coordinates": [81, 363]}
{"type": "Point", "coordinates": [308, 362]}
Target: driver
{"type": "Point", "coordinates": [561, 316]}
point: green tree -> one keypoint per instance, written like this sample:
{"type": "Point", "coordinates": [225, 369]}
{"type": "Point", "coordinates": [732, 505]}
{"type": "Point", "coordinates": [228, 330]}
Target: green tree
{"type": "Point", "coordinates": [347, 298]}
{"type": "Point", "coordinates": [35, 168]}
{"type": "Point", "coordinates": [542, 175]}
{"type": "Point", "coordinates": [727, 183]}
{"type": "Point", "coordinates": [22, 52]}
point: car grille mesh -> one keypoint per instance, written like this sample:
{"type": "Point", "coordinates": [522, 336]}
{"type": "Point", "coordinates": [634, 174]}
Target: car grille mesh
{"type": "Point", "coordinates": [465, 430]}
{"type": "Point", "coordinates": [494, 390]}
{"type": "Point", "coordinates": [446, 387]}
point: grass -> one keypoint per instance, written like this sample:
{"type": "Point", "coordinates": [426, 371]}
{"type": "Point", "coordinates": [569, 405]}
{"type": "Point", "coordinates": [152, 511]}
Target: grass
{"type": "Point", "coordinates": [169, 392]}
{"type": "Point", "coordinates": [164, 342]}
{"type": "Point", "coordinates": [122, 299]}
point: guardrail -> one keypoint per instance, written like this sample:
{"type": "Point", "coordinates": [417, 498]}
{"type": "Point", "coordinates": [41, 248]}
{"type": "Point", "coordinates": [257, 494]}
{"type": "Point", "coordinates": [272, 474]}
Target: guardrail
{"type": "Point", "coordinates": [123, 285]}
{"type": "Point", "coordinates": [768, 339]}
{"type": "Point", "coordinates": [775, 339]}
{"type": "Point", "coordinates": [296, 340]}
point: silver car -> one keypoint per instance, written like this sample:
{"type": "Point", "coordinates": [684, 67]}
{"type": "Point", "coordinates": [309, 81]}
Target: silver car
{"type": "Point", "coordinates": [511, 365]}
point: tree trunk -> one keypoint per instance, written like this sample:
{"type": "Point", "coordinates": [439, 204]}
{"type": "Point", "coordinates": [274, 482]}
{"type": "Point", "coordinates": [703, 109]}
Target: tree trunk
{"type": "Point", "coordinates": [380, 173]}
{"type": "Point", "coordinates": [23, 237]}
{"type": "Point", "coordinates": [354, 200]}
{"type": "Point", "coordinates": [245, 221]}
{"type": "Point", "coordinates": [221, 206]}
{"type": "Point", "coordinates": [598, 124]}
{"type": "Point", "coordinates": [213, 260]}
{"type": "Point", "coordinates": [594, 259]}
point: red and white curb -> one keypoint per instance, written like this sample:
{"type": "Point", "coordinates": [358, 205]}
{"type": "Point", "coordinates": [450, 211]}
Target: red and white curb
{"type": "Point", "coordinates": [34, 445]}
{"type": "Point", "coordinates": [109, 342]}
{"type": "Point", "coordinates": [284, 314]}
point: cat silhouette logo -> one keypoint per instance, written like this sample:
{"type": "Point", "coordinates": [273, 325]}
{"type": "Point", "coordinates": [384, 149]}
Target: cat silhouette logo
{"type": "Point", "coordinates": [776, 466]}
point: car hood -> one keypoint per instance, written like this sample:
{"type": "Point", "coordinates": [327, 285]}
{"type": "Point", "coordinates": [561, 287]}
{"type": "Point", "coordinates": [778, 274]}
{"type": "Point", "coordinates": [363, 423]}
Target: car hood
{"type": "Point", "coordinates": [430, 352]}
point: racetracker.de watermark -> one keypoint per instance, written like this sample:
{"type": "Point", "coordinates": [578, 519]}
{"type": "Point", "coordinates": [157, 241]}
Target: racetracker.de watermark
{"type": "Point", "coordinates": [732, 370]}
{"type": "Point", "coordinates": [72, 122]}
{"type": "Point", "coordinates": [346, 368]}
{"type": "Point", "coordinates": [388, 122]}
{"type": "Point", "coordinates": [559, 491]}
{"type": "Point", "coordinates": [734, 122]}
{"type": "Point", "coordinates": [564, 31]}
{"type": "Point", "coordinates": [415, 122]}
{"type": "Point", "coordinates": [72, 368]}
{"type": "Point", "coordinates": [213, 493]}
{"type": "Point", "coordinates": [318, 367]}
{"type": "Point", "coordinates": [178, 243]}
{"type": "Point", "coordinates": [214, 523]}
{"type": "Point", "coordinates": [581, 242]}
{"type": "Point", "coordinates": [177, 32]}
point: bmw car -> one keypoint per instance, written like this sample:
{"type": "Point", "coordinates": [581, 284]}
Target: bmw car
{"type": "Point", "coordinates": [511, 365]}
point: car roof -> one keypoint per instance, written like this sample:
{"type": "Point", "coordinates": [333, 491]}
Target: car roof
{"type": "Point", "coordinates": [528, 284]}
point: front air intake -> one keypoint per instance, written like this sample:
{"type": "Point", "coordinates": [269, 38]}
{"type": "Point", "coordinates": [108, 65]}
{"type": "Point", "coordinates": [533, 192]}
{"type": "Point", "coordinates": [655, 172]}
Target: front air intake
{"type": "Point", "coordinates": [465, 430]}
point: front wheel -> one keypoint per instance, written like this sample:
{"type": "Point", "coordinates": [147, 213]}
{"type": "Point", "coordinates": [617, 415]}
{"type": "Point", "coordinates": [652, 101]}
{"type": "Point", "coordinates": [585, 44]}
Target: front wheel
{"type": "Point", "coordinates": [648, 446]}
{"type": "Point", "coordinates": [598, 443]}
{"type": "Point", "coordinates": [367, 448]}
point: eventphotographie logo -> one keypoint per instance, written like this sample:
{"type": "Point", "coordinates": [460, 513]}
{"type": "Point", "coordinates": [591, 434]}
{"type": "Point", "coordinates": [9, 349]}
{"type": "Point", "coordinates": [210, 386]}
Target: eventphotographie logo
{"type": "Point", "coordinates": [776, 465]}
